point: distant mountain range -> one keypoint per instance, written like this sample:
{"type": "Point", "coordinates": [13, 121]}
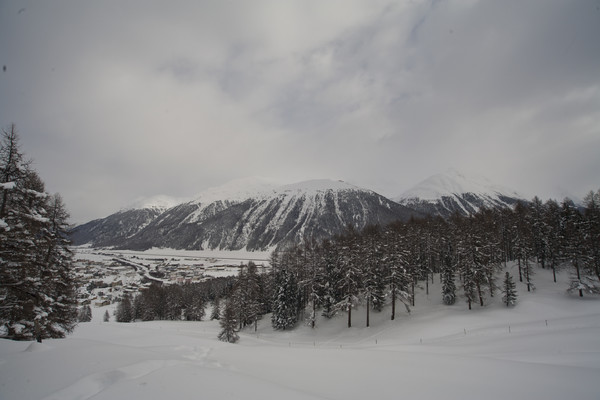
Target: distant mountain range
{"type": "Point", "coordinates": [256, 214]}
{"type": "Point", "coordinates": [252, 215]}
{"type": "Point", "coordinates": [452, 192]}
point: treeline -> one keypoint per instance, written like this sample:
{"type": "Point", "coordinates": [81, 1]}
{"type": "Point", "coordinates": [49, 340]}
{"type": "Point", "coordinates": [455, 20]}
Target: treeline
{"type": "Point", "coordinates": [173, 302]}
{"type": "Point", "coordinates": [37, 288]}
{"type": "Point", "coordinates": [381, 265]}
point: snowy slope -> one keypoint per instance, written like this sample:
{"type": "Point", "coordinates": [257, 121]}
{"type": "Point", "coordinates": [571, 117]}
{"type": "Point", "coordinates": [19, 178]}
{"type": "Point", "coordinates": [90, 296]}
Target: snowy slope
{"type": "Point", "coordinates": [115, 228]}
{"type": "Point", "coordinates": [436, 352]}
{"type": "Point", "coordinates": [218, 198]}
{"type": "Point", "coordinates": [451, 191]}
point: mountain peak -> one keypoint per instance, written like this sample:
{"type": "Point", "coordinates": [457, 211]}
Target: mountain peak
{"type": "Point", "coordinates": [452, 191]}
{"type": "Point", "coordinates": [158, 202]}
{"type": "Point", "coordinates": [318, 186]}
{"type": "Point", "coordinates": [452, 183]}
{"type": "Point", "coordinates": [237, 190]}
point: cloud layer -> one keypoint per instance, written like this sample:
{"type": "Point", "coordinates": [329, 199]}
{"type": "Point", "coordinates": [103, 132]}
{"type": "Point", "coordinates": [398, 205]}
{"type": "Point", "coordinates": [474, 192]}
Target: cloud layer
{"type": "Point", "coordinates": [116, 101]}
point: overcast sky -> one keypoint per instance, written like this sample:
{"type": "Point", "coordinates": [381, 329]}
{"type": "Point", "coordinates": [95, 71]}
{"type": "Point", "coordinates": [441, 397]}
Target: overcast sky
{"type": "Point", "coordinates": [116, 100]}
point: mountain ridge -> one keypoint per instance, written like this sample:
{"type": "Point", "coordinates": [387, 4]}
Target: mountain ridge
{"type": "Point", "coordinates": [452, 192]}
{"type": "Point", "coordinates": [264, 217]}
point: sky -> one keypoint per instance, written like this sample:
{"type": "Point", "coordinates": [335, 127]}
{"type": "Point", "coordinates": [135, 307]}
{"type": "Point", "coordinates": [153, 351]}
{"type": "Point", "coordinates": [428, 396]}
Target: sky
{"type": "Point", "coordinates": [115, 101]}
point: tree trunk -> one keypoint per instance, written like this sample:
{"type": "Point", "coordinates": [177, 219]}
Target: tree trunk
{"type": "Point", "coordinates": [368, 306]}
{"type": "Point", "coordinates": [314, 313]}
{"type": "Point", "coordinates": [349, 315]}
{"type": "Point", "coordinates": [578, 276]}
{"type": "Point", "coordinates": [527, 276]}
{"type": "Point", "coordinates": [393, 303]}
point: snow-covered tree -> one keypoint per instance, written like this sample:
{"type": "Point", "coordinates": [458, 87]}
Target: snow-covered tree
{"type": "Point", "coordinates": [509, 290]}
{"type": "Point", "coordinates": [572, 244]}
{"type": "Point", "coordinates": [246, 296]}
{"type": "Point", "coordinates": [285, 301]}
{"type": "Point", "coordinates": [591, 233]}
{"type": "Point", "coordinates": [216, 309]}
{"type": "Point", "coordinates": [124, 310]}
{"type": "Point", "coordinates": [395, 264]}
{"type": "Point", "coordinates": [37, 290]}
{"type": "Point", "coordinates": [351, 264]}
{"type": "Point", "coordinates": [193, 303]}
{"type": "Point", "coordinates": [85, 313]}
{"type": "Point", "coordinates": [373, 278]}
{"type": "Point", "coordinates": [327, 278]}
{"type": "Point", "coordinates": [229, 324]}
{"type": "Point", "coordinates": [448, 285]}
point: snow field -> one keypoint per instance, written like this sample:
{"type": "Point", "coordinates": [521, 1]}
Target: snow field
{"type": "Point", "coordinates": [552, 351]}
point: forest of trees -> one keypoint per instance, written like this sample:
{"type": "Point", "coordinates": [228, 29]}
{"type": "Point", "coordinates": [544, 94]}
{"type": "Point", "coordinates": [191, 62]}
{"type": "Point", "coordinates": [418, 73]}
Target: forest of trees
{"type": "Point", "coordinates": [37, 289]}
{"type": "Point", "coordinates": [173, 302]}
{"type": "Point", "coordinates": [383, 265]}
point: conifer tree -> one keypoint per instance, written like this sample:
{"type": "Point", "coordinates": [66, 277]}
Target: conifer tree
{"type": "Point", "coordinates": [591, 228]}
{"type": "Point", "coordinates": [124, 311]}
{"type": "Point", "coordinates": [285, 300]}
{"type": "Point", "coordinates": [448, 285]}
{"type": "Point", "coordinates": [552, 237]}
{"type": "Point", "coordinates": [509, 290]}
{"type": "Point", "coordinates": [85, 314]}
{"type": "Point", "coordinates": [37, 289]}
{"type": "Point", "coordinates": [216, 310]}
{"type": "Point", "coordinates": [350, 263]}
{"type": "Point", "coordinates": [572, 243]}
{"type": "Point", "coordinates": [327, 278]}
{"type": "Point", "coordinates": [106, 316]}
{"type": "Point", "coordinates": [229, 324]}
{"type": "Point", "coordinates": [193, 303]}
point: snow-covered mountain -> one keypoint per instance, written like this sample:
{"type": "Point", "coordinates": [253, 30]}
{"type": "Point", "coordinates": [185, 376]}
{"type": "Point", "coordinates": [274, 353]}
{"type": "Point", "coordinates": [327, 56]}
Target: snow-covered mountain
{"type": "Point", "coordinates": [254, 215]}
{"type": "Point", "coordinates": [115, 228]}
{"type": "Point", "coordinates": [449, 192]}
{"type": "Point", "coordinates": [123, 224]}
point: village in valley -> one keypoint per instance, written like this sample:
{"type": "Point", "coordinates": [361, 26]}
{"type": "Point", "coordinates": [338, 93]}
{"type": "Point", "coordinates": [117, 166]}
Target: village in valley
{"type": "Point", "coordinates": [104, 275]}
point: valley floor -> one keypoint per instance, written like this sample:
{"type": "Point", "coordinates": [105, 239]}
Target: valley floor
{"type": "Point", "coordinates": [547, 347]}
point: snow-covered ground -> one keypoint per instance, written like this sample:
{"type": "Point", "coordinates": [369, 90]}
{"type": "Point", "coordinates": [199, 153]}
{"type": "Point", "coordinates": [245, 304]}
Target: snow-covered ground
{"type": "Point", "coordinates": [547, 347]}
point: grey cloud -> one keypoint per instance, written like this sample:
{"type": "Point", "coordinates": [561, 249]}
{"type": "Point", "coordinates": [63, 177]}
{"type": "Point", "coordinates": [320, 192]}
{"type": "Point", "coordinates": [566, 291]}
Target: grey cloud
{"type": "Point", "coordinates": [121, 100]}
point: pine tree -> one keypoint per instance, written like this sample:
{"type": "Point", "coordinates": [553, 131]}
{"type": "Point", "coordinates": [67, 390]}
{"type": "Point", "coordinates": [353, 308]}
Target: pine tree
{"type": "Point", "coordinates": [193, 303]}
{"type": "Point", "coordinates": [395, 267]}
{"type": "Point", "coordinates": [373, 282]}
{"type": "Point", "coordinates": [106, 316]}
{"type": "Point", "coordinates": [328, 276]}
{"type": "Point", "coordinates": [85, 314]}
{"type": "Point", "coordinates": [124, 311]}
{"type": "Point", "coordinates": [37, 289]}
{"type": "Point", "coordinates": [591, 229]}
{"type": "Point", "coordinates": [229, 324]}
{"type": "Point", "coordinates": [216, 310]}
{"type": "Point", "coordinates": [56, 260]}
{"type": "Point", "coordinates": [350, 266]}
{"type": "Point", "coordinates": [285, 301]}
{"type": "Point", "coordinates": [572, 244]}
{"type": "Point", "coordinates": [509, 290]}
{"type": "Point", "coordinates": [448, 285]}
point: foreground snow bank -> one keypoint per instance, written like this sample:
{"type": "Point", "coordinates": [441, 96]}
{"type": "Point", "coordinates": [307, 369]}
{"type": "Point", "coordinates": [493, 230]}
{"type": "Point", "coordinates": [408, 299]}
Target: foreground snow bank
{"type": "Point", "coordinates": [548, 347]}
